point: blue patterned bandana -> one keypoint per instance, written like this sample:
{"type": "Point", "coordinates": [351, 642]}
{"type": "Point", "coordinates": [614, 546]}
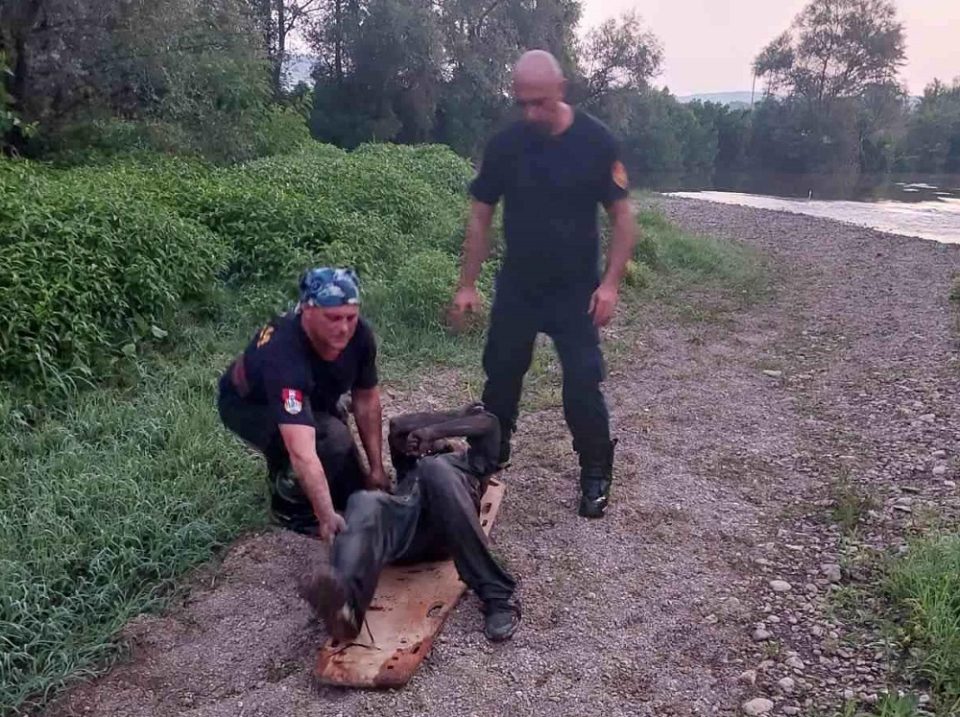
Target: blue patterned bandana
{"type": "Point", "coordinates": [328, 287]}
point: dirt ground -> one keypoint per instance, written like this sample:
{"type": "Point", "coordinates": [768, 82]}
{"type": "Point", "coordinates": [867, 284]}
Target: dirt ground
{"type": "Point", "coordinates": [735, 433]}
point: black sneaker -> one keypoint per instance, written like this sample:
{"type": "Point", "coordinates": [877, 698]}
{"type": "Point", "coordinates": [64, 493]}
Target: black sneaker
{"type": "Point", "coordinates": [594, 498]}
{"type": "Point", "coordinates": [328, 598]}
{"type": "Point", "coordinates": [501, 619]}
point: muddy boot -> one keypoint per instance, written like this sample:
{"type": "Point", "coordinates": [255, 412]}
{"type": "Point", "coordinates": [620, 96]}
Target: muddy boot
{"type": "Point", "coordinates": [501, 619]}
{"type": "Point", "coordinates": [596, 477]}
{"type": "Point", "coordinates": [326, 594]}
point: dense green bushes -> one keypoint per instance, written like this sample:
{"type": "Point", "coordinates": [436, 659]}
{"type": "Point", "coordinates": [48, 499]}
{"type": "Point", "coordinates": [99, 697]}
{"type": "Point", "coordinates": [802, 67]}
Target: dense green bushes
{"type": "Point", "coordinates": [84, 273]}
{"type": "Point", "coordinates": [106, 501]}
{"type": "Point", "coordinates": [94, 259]}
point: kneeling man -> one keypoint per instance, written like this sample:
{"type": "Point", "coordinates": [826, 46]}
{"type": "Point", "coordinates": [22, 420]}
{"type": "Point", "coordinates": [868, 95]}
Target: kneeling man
{"type": "Point", "coordinates": [281, 395]}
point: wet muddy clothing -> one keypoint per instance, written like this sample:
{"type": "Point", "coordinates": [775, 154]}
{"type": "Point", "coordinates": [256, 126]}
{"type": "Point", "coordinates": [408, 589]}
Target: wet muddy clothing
{"type": "Point", "coordinates": [433, 515]}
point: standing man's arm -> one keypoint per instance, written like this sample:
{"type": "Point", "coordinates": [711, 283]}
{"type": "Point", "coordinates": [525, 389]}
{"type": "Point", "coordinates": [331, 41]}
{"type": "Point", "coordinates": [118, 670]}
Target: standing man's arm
{"type": "Point", "coordinates": [369, 415]}
{"type": "Point", "coordinates": [476, 249]}
{"type": "Point", "coordinates": [623, 240]}
{"type": "Point", "coordinates": [486, 190]}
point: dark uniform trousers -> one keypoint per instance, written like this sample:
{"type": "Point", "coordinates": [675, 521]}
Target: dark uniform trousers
{"type": "Point", "coordinates": [336, 449]}
{"type": "Point", "coordinates": [432, 516]}
{"type": "Point", "coordinates": [518, 315]}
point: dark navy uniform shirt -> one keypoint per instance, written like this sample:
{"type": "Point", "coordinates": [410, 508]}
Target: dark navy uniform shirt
{"type": "Point", "coordinates": [551, 187]}
{"type": "Point", "coordinates": [283, 372]}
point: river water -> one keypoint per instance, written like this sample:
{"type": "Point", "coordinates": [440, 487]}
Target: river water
{"type": "Point", "coordinates": [927, 207]}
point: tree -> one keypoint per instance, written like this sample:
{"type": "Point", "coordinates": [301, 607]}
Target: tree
{"type": "Point", "coordinates": [384, 79]}
{"type": "Point", "coordinates": [278, 20]}
{"type": "Point", "coordinates": [406, 70]}
{"type": "Point", "coordinates": [882, 112]}
{"type": "Point", "coordinates": [619, 55]}
{"type": "Point", "coordinates": [933, 136]}
{"type": "Point", "coordinates": [835, 49]}
{"type": "Point", "coordinates": [176, 75]}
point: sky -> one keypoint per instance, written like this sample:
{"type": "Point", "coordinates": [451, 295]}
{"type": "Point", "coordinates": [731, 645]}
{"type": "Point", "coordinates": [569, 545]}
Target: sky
{"type": "Point", "coordinates": [710, 44]}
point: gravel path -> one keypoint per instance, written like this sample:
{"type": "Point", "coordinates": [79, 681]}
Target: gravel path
{"type": "Point", "coordinates": [706, 587]}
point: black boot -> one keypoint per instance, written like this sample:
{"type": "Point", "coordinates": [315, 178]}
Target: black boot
{"type": "Point", "coordinates": [596, 477]}
{"type": "Point", "coordinates": [501, 619]}
{"type": "Point", "coordinates": [326, 594]}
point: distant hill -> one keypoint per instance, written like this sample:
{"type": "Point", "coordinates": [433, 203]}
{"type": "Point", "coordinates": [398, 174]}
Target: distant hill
{"type": "Point", "coordinates": [733, 99]}
{"type": "Point", "coordinates": [741, 100]}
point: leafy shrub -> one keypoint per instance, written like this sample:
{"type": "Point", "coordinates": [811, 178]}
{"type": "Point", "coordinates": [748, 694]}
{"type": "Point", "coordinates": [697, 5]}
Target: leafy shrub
{"type": "Point", "coordinates": [416, 295]}
{"type": "Point", "coordinates": [95, 257]}
{"type": "Point", "coordinates": [83, 271]}
{"type": "Point", "coordinates": [435, 164]}
{"type": "Point", "coordinates": [371, 182]}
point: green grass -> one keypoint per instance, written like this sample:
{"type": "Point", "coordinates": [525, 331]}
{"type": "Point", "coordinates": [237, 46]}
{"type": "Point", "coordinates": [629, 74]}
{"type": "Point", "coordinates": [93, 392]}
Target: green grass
{"type": "Point", "coordinates": [924, 589]}
{"type": "Point", "coordinates": [887, 706]}
{"type": "Point", "coordinates": [690, 260]}
{"type": "Point", "coordinates": [913, 607]}
{"type": "Point", "coordinates": [108, 496]}
{"type": "Point", "coordinates": [106, 502]}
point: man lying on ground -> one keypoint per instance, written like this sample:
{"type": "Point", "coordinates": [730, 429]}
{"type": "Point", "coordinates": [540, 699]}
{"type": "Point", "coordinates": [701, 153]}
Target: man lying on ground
{"type": "Point", "coordinates": [434, 514]}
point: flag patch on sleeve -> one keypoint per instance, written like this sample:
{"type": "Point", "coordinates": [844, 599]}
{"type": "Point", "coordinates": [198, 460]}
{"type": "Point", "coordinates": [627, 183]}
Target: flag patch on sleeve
{"type": "Point", "coordinates": [292, 401]}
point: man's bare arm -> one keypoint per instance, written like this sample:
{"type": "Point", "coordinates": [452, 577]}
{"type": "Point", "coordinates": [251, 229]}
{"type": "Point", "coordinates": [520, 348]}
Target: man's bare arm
{"type": "Point", "coordinates": [369, 414]}
{"type": "Point", "coordinates": [468, 426]}
{"type": "Point", "coordinates": [623, 240]}
{"type": "Point", "coordinates": [301, 444]}
{"type": "Point", "coordinates": [604, 300]}
{"type": "Point", "coordinates": [476, 243]}
{"type": "Point", "coordinates": [406, 422]}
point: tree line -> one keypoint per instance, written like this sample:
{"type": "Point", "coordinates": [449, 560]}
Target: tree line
{"type": "Point", "coordinates": [208, 77]}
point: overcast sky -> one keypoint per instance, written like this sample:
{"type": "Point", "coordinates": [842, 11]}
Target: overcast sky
{"type": "Point", "coordinates": [709, 44]}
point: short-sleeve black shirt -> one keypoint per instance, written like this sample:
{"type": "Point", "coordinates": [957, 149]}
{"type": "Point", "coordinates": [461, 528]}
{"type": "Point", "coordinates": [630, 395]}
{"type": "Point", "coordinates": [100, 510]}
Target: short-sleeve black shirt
{"type": "Point", "coordinates": [285, 373]}
{"type": "Point", "coordinates": [551, 186]}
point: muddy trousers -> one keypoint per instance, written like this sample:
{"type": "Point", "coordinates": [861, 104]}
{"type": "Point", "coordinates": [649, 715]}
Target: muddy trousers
{"type": "Point", "coordinates": [515, 320]}
{"type": "Point", "coordinates": [289, 505]}
{"type": "Point", "coordinates": [432, 516]}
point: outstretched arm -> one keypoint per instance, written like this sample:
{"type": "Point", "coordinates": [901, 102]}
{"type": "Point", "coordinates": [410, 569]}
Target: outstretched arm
{"type": "Point", "coordinates": [477, 425]}
{"type": "Point", "coordinates": [407, 422]}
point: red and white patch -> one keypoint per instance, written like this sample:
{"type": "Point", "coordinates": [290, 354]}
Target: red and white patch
{"type": "Point", "coordinates": [292, 401]}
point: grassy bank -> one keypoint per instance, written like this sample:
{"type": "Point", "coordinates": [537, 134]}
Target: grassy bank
{"type": "Point", "coordinates": [912, 604]}
{"type": "Point", "coordinates": [107, 496]}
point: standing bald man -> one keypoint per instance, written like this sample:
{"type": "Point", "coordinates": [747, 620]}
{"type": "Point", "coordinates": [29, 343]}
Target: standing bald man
{"type": "Point", "coordinates": [552, 169]}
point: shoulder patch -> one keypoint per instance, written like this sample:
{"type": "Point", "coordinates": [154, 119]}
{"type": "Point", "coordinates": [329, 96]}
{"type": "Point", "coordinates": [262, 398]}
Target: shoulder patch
{"type": "Point", "coordinates": [619, 175]}
{"type": "Point", "coordinates": [292, 401]}
{"type": "Point", "coordinates": [265, 335]}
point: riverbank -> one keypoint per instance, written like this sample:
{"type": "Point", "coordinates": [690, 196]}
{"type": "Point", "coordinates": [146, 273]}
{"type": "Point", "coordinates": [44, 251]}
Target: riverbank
{"type": "Point", "coordinates": [748, 431]}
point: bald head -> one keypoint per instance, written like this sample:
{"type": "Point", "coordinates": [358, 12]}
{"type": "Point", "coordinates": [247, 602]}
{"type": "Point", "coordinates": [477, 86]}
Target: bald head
{"type": "Point", "coordinates": [537, 67]}
{"type": "Point", "coordinates": [538, 89]}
